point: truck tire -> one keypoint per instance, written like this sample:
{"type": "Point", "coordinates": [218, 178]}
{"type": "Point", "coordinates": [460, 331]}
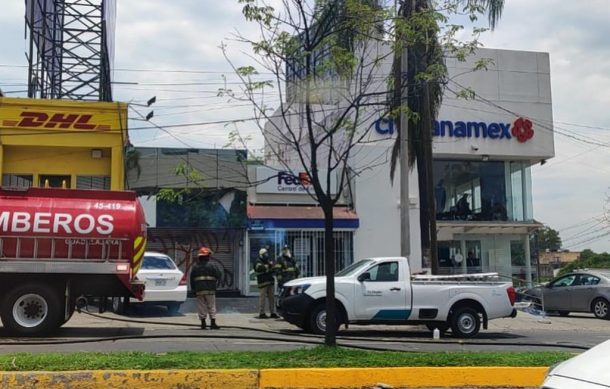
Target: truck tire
{"type": "Point", "coordinates": [465, 322]}
{"type": "Point", "coordinates": [32, 309]}
{"type": "Point", "coordinates": [119, 305]}
{"type": "Point", "coordinates": [601, 308]}
{"type": "Point", "coordinates": [317, 319]}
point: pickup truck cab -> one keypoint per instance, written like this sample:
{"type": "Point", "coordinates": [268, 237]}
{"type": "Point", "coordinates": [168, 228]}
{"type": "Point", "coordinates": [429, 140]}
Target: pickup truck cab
{"type": "Point", "coordinates": [383, 291]}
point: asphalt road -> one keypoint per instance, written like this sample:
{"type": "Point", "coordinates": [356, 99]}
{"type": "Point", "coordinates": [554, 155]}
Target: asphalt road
{"type": "Point", "coordinates": [107, 332]}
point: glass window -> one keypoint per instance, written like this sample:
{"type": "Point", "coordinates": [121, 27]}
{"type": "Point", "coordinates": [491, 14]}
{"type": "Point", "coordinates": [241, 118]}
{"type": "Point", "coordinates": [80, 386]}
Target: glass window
{"type": "Point", "coordinates": [353, 268]}
{"type": "Point", "coordinates": [157, 263]}
{"type": "Point", "coordinates": [470, 190]}
{"type": "Point", "coordinates": [384, 272]}
{"type": "Point", "coordinates": [17, 180]}
{"type": "Point", "coordinates": [516, 182]}
{"type": "Point", "coordinates": [54, 181]}
{"type": "Point", "coordinates": [564, 281]}
{"type": "Point", "coordinates": [473, 256]}
{"type": "Point", "coordinates": [586, 279]}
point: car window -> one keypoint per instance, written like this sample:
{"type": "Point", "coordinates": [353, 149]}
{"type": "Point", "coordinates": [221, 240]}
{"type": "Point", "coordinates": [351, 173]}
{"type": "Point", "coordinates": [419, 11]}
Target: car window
{"type": "Point", "coordinates": [384, 272]}
{"type": "Point", "coordinates": [564, 281]}
{"type": "Point", "coordinates": [587, 279]}
{"type": "Point", "coordinates": [354, 267]}
{"type": "Point", "coordinates": [158, 263]}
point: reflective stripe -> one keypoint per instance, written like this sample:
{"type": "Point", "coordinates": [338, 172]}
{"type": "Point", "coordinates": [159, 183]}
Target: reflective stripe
{"type": "Point", "coordinates": [264, 284]}
{"type": "Point", "coordinates": [290, 269]}
{"type": "Point", "coordinates": [206, 292]}
{"type": "Point", "coordinates": [205, 278]}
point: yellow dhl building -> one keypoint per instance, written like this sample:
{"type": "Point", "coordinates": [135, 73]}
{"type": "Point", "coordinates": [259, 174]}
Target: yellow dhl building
{"type": "Point", "coordinates": [57, 143]}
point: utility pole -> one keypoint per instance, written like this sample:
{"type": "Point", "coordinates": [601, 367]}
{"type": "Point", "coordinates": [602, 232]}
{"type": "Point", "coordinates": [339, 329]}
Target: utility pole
{"type": "Point", "coordinates": [405, 230]}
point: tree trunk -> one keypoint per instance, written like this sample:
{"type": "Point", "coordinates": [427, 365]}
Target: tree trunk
{"type": "Point", "coordinates": [330, 338]}
{"type": "Point", "coordinates": [426, 138]}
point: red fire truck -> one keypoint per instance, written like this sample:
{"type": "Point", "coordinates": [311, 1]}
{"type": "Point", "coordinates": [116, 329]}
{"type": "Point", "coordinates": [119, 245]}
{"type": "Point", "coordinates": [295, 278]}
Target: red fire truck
{"type": "Point", "coordinates": [59, 247]}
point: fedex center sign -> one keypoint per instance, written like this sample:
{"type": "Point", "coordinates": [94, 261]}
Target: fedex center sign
{"type": "Point", "coordinates": [280, 181]}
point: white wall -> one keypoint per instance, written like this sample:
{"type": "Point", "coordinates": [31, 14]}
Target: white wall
{"type": "Point", "coordinates": [377, 202]}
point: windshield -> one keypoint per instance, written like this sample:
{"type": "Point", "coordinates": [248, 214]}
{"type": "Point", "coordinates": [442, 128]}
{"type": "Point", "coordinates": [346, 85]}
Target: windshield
{"type": "Point", "coordinates": [353, 268]}
{"type": "Point", "coordinates": [157, 263]}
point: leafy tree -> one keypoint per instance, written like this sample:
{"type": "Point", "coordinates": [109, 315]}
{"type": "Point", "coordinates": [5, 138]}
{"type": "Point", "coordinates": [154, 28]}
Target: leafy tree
{"type": "Point", "coordinates": [588, 260]}
{"type": "Point", "coordinates": [425, 32]}
{"type": "Point", "coordinates": [548, 239]}
{"type": "Point", "coordinates": [324, 59]}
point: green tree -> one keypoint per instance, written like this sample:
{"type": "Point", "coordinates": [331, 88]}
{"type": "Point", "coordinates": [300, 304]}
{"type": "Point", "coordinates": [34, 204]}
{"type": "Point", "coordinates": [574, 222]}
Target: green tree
{"type": "Point", "coordinates": [548, 239]}
{"type": "Point", "coordinates": [423, 30]}
{"type": "Point", "coordinates": [323, 58]}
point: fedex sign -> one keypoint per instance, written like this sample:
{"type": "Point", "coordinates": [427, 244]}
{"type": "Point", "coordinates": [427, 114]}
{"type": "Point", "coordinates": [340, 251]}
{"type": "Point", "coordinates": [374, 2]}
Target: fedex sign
{"type": "Point", "coordinates": [521, 129]}
{"type": "Point", "coordinates": [285, 182]}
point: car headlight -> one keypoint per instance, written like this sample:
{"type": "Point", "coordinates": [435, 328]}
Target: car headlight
{"type": "Point", "coordinates": [298, 289]}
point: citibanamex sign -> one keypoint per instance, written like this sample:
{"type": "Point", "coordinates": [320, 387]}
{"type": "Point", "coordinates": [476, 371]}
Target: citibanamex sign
{"type": "Point", "coordinates": [521, 129]}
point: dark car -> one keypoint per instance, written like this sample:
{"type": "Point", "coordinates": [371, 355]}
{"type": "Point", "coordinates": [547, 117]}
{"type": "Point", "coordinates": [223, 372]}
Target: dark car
{"type": "Point", "coordinates": [579, 291]}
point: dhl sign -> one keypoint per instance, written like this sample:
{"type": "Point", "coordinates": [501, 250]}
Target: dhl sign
{"type": "Point", "coordinates": [62, 115]}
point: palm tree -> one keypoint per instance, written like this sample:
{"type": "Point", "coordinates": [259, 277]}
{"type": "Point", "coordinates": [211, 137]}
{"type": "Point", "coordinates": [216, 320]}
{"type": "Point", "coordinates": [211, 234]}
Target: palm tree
{"type": "Point", "coordinates": [425, 96]}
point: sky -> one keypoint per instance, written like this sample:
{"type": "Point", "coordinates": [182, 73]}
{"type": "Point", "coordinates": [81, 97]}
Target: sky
{"type": "Point", "coordinates": [171, 50]}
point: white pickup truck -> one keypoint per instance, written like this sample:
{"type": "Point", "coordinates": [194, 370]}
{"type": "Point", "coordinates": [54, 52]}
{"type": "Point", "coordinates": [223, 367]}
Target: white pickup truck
{"type": "Point", "coordinates": [383, 291]}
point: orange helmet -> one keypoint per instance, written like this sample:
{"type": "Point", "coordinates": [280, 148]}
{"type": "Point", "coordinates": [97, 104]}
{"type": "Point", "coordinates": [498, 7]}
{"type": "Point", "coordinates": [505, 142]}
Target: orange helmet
{"type": "Point", "coordinates": [204, 252]}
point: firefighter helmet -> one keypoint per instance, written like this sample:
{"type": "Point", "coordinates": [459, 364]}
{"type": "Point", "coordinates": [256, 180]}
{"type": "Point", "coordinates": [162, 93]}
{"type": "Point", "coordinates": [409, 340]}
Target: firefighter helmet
{"type": "Point", "coordinates": [262, 252]}
{"type": "Point", "coordinates": [204, 252]}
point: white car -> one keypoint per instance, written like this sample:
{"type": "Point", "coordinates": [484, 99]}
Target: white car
{"type": "Point", "coordinates": [165, 283]}
{"type": "Point", "coordinates": [588, 370]}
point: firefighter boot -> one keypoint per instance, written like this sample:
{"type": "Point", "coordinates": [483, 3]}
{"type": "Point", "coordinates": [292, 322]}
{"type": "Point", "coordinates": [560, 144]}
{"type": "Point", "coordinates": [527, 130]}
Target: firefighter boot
{"type": "Point", "coordinates": [213, 326]}
{"type": "Point", "coordinates": [203, 325]}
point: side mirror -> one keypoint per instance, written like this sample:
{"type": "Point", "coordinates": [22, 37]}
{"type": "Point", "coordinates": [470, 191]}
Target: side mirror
{"type": "Point", "coordinates": [364, 277]}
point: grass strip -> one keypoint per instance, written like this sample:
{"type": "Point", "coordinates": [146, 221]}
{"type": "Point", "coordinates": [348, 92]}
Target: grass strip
{"type": "Point", "coordinates": [314, 357]}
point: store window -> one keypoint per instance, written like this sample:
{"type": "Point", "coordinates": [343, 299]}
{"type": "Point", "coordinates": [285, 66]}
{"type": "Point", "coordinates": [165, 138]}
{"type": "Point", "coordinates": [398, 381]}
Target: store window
{"type": "Point", "coordinates": [307, 249]}
{"type": "Point", "coordinates": [450, 256]}
{"type": "Point", "coordinates": [482, 190]}
{"type": "Point", "coordinates": [517, 261]}
{"type": "Point", "coordinates": [17, 180]}
{"type": "Point", "coordinates": [54, 181]}
{"type": "Point", "coordinates": [473, 256]}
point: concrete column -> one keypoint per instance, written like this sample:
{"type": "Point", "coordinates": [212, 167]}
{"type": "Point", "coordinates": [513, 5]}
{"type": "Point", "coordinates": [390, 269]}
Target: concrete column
{"type": "Point", "coordinates": [465, 255]}
{"type": "Point", "coordinates": [528, 260]}
{"type": "Point", "coordinates": [117, 169]}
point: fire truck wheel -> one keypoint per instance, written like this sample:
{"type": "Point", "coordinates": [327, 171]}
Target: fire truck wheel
{"type": "Point", "coordinates": [32, 309]}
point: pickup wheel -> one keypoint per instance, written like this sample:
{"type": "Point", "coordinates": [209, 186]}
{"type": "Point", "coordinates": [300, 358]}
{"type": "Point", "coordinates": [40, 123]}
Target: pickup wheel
{"type": "Point", "coordinates": [32, 309]}
{"type": "Point", "coordinates": [317, 320]}
{"type": "Point", "coordinates": [465, 322]}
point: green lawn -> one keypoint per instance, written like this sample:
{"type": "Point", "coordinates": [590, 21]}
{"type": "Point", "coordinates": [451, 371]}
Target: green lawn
{"type": "Point", "coordinates": [317, 357]}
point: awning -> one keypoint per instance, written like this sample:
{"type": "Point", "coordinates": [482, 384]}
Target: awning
{"type": "Point", "coordinates": [261, 217]}
{"type": "Point", "coordinates": [446, 229]}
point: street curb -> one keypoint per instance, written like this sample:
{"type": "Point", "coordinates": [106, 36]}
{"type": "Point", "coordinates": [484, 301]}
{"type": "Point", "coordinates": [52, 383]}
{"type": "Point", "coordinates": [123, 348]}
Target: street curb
{"type": "Point", "coordinates": [400, 377]}
{"type": "Point", "coordinates": [114, 379]}
{"type": "Point", "coordinates": [345, 378]}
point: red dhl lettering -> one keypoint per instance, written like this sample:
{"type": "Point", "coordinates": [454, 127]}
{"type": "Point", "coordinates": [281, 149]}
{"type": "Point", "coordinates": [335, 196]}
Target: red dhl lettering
{"type": "Point", "coordinates": [47, 222]}
{"type": "Point", "coordinates": [58, 120]}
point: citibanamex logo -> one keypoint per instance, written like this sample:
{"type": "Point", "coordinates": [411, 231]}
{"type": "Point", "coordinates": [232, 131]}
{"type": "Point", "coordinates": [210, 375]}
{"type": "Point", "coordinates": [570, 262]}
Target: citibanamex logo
{"type": "Point", "coordinates": [522, 130]}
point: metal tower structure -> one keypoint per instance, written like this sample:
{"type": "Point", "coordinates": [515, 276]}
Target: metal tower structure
{"type": "Point", "coordinates": [71, 48]}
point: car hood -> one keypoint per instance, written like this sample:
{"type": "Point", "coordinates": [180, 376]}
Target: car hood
{"type": "Point", "coordinates": [590, 366]}
{"type": "Point", "coordinates": [307, 280]}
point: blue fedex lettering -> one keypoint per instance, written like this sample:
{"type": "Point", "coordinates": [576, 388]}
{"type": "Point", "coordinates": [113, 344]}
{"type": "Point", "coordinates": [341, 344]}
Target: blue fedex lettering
{"type": "Point", "coordinates": [460, 129]}
{"type": "Point", "coordinates": [384, 126]}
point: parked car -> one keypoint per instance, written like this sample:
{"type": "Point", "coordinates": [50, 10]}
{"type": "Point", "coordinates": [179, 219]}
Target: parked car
{"type": "Point", "coordinates": [165, 284]}
{"type": "Point", "coordinates": [588, 370]}
{"type": "Point", "coordinates": [579, 291]}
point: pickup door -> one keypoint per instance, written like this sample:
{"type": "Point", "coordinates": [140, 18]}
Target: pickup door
{"type": "Point", "coordinates": [383, 292]}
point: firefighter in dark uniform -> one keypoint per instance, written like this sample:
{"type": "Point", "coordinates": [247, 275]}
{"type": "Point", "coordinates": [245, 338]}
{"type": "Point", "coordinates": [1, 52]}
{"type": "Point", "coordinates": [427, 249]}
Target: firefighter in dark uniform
{"type": "Point", "coordinates": [265, 269]}
{"type": "Point", "coordinates": [204, 278]}
{"type": "Point", "coordinates": [286, 266]}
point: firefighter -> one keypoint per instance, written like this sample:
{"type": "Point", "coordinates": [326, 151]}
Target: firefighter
{"type": "Point", "coordinates": [264, 269]}
{"type": "Point", "coordinates": [204, 278]}
{"type": "Point", "coordinates": [287, 269]}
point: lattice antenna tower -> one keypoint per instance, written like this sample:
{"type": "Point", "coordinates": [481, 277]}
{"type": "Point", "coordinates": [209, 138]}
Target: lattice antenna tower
{"type": "Point", "coordinates": [71, 45]}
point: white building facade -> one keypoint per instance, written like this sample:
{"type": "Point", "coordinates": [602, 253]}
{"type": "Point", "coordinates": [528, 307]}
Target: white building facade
{"type": "Point", "coordinates": [483, 150]}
